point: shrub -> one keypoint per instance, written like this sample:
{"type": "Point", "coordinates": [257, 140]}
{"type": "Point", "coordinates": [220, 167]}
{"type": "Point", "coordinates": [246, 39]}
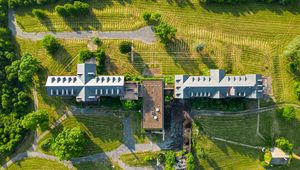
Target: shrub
{"type": "Point", "coordinates": [100, 57]}
{"type": "Point", "coordinates": [38, 13]}
{"type": "Point", "coordinates": [165, 32]}
{"type": "Point", "coordinates": [146, 16]}
{"type": "Point", "coordinates": [46, 144]}
{"type": "Point", "coordinates": [131, 104]}
{"type": "Point", "coordinates": [51, 44]}
{"type": "Point", "coordinates": [96, 41]}
{"type": "Point", "coordinates": [61, 10]}
{"type": "Point", "coordinates": [76, 9]}
{"type": "Point", "coordinates": [155, 17]}
{"type": "Point", "coordinates": [284, 144]}
{"type": "Point", "coordinates": [200, 47]}
{"type": "Point", "coordinates": [287, 113]}
{"type": "Point", "coordinates": [85, 54]}
{"type": "Point", "coordinates": [190, 162]}
{"type": "Point", "coordinates": [170, 160]}
{"type": "Point", "coordinates": [267, 156]}
{"type": "Point", "coordinates": [125, 47]}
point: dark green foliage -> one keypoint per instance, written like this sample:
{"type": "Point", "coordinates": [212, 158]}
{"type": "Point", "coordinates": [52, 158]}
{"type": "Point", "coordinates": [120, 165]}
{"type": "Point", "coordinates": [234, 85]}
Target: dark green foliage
{"type": "Point", "coordinates": [19, 3]}
{"type": "Point", "coordinates": [36, 119]}
{"type": "Point", "coordinates": [287, 113]}
{"type": "Point", "coordinates": [76, 9]}
{"type": "Point", "coordinates": [170, 160]}
{"type": "Point", "coordinates": [219, 104]}
{"type": "Point", "coordinates": [51, 44]}
{"type": "Point", "coordinates": [282, 2]}
{"type": "Point", "coordinates": [297, 89]}
{"type": "Point", "coordinates": [190, 161]}
{"type": "Point", "coordinates": [292, 53]}
{"type": "Point", "coordinates": [200, 47]}
{"type": "Point", "coordinates": [69, 143]}
{"type": "Point", "coordinates": [10, 132]}
{"type": "Point", "coordinates": [132, 104]}
{"type": "Point", "coordinates": [165, 32]}
{"type": "Point", "coordinates": [96, 41]}
{"type": "Point", "coordinates": [85, 55]}
{"type": "Point", "coordinates": [146, 16]}
{"type": "Point", "coordinates": [284, 144]}
{"type": "Point", "coordinates": [152, 18]}
{"type": "Point", "coordinates": [125, 47]}
{"type": "Point", "coordinates": [46, 144]}
{"type": "Point", "coordinates": [3, 12]}
{"type": "Point", "coordinates": [38, 13]}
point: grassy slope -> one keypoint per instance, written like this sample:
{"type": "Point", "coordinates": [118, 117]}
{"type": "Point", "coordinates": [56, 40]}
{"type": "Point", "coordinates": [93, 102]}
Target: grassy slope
{"type": "Point", "coordinates": [103, 165]}
{"type": "Point", "coordinates": [37, 164]}
{"type": "Point", "coordinates": [137, 159]}
{"type": "Point", "coordinates": [248, 38]}
{"type": "Point", "coordinates": [104, 132]}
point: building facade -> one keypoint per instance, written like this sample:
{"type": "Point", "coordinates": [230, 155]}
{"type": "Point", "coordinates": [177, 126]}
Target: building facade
{"type": "Point", "coordinates": [217, 85]}
{"type": "Point", "coordinates": [85, 86]}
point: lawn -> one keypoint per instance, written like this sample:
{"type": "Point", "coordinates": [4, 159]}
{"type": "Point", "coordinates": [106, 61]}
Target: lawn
{"type": "Point", "coordinates": [99, 164]}
{"type": "Point", "coordinates": [37, 164]}
{"type": "Point", "coordinates": [104, 133]}
{"type": "Point", "coordinates": [236, 128]}
{"type": "Point", "coordinates": [138, 159]}
{"type": "Point", "coordinates": [248, 38]}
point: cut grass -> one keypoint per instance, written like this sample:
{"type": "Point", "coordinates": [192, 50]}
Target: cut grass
{"type": "Point", "coordinates": [100, 164]}
{"type": "Point", "coordinates": [245, 38]}
{"type": "Point", "coordinates": [37, 164]}
{"type": "Point", "coordinates": [235, 128]}
{"type": "Point", "coordinates": [104, 133]}
{"type": "Point", "coordinates": [138, 159]}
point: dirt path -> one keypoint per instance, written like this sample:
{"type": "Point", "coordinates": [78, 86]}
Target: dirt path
{"type": "Point", "coordinates": [144, 34]}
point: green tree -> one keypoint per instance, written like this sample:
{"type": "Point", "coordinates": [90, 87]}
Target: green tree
{"type": "Point", "coordinates": [100, 57]}
{"type": "Point", "coordinates": [287, 113]}
{"type": "Point", "coordinates": [69, 143]}
{"type": "Point", "coordinates": [125, 47]}
{"type": "Point", "coordinates": [190, 161]}
{"type": "Point", "coordinates": [165, 32]}
{"type": "Point", "coordinates": [284, 144]}
{"type": "Point", "coordinates": [38, 13]}
{"type": "Point", "coordinates": [131, 104]}
{"type": "Point", "coordinates": [28, 67]}
{"type": "Point", "coordinates": [36, 119]}
{"type": "Point", "coordinates": [170, 160]}
{"type": "Point", "coordinates": [51, 44]}
{"type": "Point", "coordinates": [85, 54]}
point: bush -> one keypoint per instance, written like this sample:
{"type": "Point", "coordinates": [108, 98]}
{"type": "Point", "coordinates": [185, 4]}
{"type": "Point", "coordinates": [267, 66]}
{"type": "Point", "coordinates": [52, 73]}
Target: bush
{"type": "Point", "coordinates": [170, 160]}
{"type": "Point", "coordinates": [146, 16]}
{"type": "Point", "coordinates": [85, 54]}
{"type": "Point", "coordinates": [284, 144]}
{"type": "Point", "coordinates": [46, 144]}
{"type": "Point", "coordinates": [125, 47]}
{"type": "Point", "coordinates": [96, 41]}
{"type": "Point", "coordinates": [200, 47]}
{"type": "Point", "coordinates": [190, 162]}
{"type": "Point", "coordinates": [165, 32]}
{"type": "Point", "coordinates": [100, 57]}
{"type": "Point", "coordinates": [132, 104]}
{"type": "Point", "coordinates": [152, 18]}
{"type": "Point", "coordinates": [155, 17]}
{"type": "Point", "coordinates": [61, 10]}
{"type": "Point", "coordinates": [287, 113]}
{"type": "Point", "coordinates": [76, 9]}
{"type": "Point", "coordinates": [38, 13]}
{"type": "Point", "coordinates": [51, 44]}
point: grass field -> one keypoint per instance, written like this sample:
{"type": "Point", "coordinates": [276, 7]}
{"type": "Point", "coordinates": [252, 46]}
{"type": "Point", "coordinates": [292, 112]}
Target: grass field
{"type": "Point", "coordinates": [138, 159]}
{"type": "Point", "coordinates": [248, 38]}
{"type": "Point", "coordinates": [37, 164]}
{"type": "Point", "coordinates": [101, 165]}
{"type": "Point", "coordinates": [104, 133]}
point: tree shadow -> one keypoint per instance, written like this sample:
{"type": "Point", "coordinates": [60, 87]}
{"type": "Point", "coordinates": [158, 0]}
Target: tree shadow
{"type": "Point", "coordinates": [83, 23]}
{"type": "Point", "coordinates": [180, 52]}
{"type": "Point", "coordinates": [63, 56]}
{"type": "Point", "coordinates": [246, 8]}
{"type": "Point", "coordinates": [47, 23]}
{"type": "Point", "coordinates": [182, 3]}
{"type": "Point", "coordinates": [124, 2]}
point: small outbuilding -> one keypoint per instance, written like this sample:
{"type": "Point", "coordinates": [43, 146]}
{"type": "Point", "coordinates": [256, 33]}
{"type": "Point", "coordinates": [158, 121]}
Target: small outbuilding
{"type": "Point", "coordinates": [279, 157]}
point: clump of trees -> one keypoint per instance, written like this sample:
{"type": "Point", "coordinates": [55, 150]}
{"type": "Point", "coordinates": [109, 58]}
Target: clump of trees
{"type": "Point", "coordinates": [284, 144]}
{"type": "Point", "coordinates": [151, 18]}
{"type": "Point", "coordinates": [69, 143]}
{"type": "Point", "coordinates": [287, 113]}
{"type": "Point", "coordinates": [76, 9]}
{"type": "Point", "coordinates": [125, 47]}
{"type": "Point", "coordinates": [165, 32]}
{"type": "Point", "coordinates": [51, 44]}
{"type": "Point", "coordinates": [36, 119]}
{"type": "Point", "coordinates": [98, 54]}
{"type": "Point", "coordinates": [38, 13]}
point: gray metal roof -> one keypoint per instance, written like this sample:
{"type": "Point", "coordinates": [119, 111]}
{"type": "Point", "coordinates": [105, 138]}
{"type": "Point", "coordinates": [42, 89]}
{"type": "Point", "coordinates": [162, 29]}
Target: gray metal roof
{"type": "Point", "coordinates": [86, 86]}
{"type": "Point", "coordinates": [217, 85]}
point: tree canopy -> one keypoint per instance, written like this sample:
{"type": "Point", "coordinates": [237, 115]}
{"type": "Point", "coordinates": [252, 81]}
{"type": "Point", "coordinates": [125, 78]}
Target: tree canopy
{"type": "Point", "coordinates": [284, 144]}
{"type": "Point", "coordinates": [165, 32]}
{"type": "Point", "coordinates": [69, 143]}
{"type": "Point", "coordinates": [36, 119]}
{"type": "Point", "coordinates": [51, 44]}
{"type": "Point", "coordinates": [287, 113]}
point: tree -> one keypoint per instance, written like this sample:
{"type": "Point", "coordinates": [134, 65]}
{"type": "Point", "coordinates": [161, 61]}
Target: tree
{"type": "Point", "coordinates": [69, 143]}
{"type": "Point", "coordinates": [96, 41]}
{"type": "Point", "coordinates": [170, 160]}
{"type": "Point", "coordinates": [100, 57]}
{"type": "Point", "coordinates": [125, 47]}
{"type": "Point", "coordinates": [131, 104]}
{"type": "Point", "coordinates": [85, 54]}
{"type": "Point", "coordinates": [51, 44]}
{"type": "Point", "coordinates": [287, 113]}
{"type": "Point", "coordinates": [165, 32]}
{"type": "Point", "coordinates": [38, 13]}
{"type": "Point", "coordinates": [284, 144]}
{"type": "Point", "coordinates": [35, 119]}
{"type": "Point", "coordinates": [61, 10]}
{"type": "Point", "coordinates": [190, 161]}
{"type": "Point", "coordinates": [28, 67]}
{"type": "Point", "coordinates": [146, 16]}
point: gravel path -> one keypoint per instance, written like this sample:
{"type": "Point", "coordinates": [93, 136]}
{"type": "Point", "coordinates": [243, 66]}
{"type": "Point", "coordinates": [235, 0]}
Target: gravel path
{"type": "Point", "coordinates": [144, 34]}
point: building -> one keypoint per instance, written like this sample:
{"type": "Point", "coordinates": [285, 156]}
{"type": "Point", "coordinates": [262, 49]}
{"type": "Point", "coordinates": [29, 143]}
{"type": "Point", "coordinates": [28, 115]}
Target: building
{"type": "Point", "coordinates": [217, 85]}
{"type": "Point", "coordinates": [85, 86]}
{"type": "Point", "coordinates": [153, 106]}
{"type": "Point", "coordinates": [279, 157]}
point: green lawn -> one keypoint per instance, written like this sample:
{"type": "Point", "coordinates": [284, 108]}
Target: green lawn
{"type": "Point", "coordinates": [101, 165]}
{"type": "Point", "coordinates": [236, 128]}
{"type": "Point", "coordinates": [244, 38]}
{"type": "Point", "coordinates": [37, 164]}
{"type": "Point", "coordinates": [104, 133]}
{"type": "Point", "coordinates": [138, 159]}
